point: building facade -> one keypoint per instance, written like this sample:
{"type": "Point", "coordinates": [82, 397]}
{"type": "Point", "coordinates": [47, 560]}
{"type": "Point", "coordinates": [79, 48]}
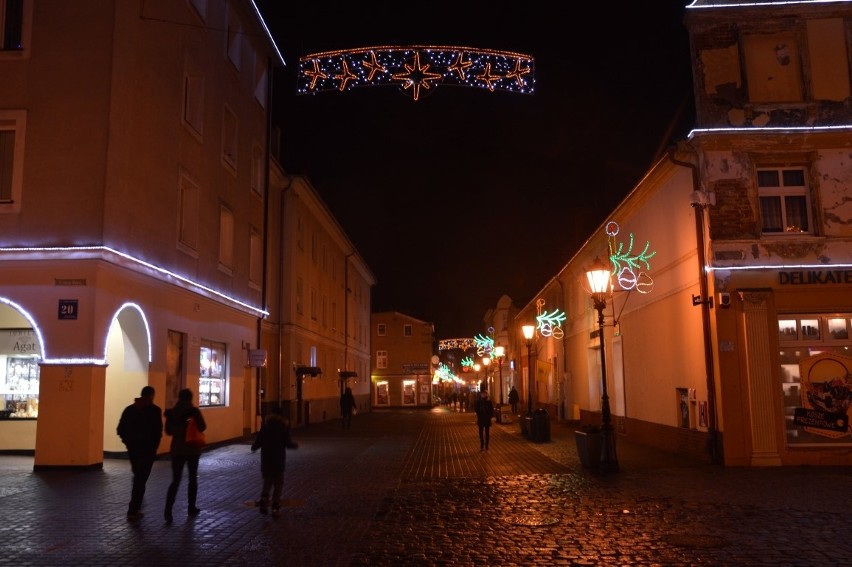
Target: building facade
{"type": "Point", "coordinates": [317, 333]}
{"type": "Point", "coordinates": [133, 151]}
{"type": "Point", "coordinates": [727, 333]}
{"type": "Point", "coordinates": [403, 364]}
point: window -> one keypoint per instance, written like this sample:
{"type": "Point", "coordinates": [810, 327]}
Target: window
{"type": "Point", "coordinates": [406, 330]}
{"type": "Point", "coordinates": [324, 311]}
{"type": "Point", "coordinates": [12, 126]}
{"type": "Point", "coordinates": [193, 99]}
{"type": "Point", "coordinates": [257, 169]}
{"type": "Point", "coordinates": [784, 204]}
{"type": "Point", "coordinates": [382, 329]}
{"type": "Point", "coordinates": [773, 67]}
{"type": "Point", "coordinates": [381, 359]}
{"type": "Point", "coordinates": [300, 294]}
{"type": "Point", "coordinates": [260, 74]}
{"type": "Point", "coordinates": [188, 215]}
{"type": "Point", "coordinates": [235, 36]}
{"type": "Point", "coordinates": [255, 257]}
{"type": "Point", "coordinates": [229, 137]}
{"type": "Point", "coordinates": [314, 303]}
{"type": "Point", "coordinates": [226, 237]}
{"type": "Point", "coordinates": [11, 25]}
{"type": "Point", "coordinates": [212, 378]}
{"type": "Point", "coordinates": [333, 315]}
{"type": "Point", "coordinates": [19, 373]}
{"type": "Point", "coordinates": [200, 7]}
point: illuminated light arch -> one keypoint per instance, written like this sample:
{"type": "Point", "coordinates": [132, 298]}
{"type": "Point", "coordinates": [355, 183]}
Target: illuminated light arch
{"type": "Point", "coordinates": [461, 344]}
{"type": "Point", "coordinates": [416, 68]}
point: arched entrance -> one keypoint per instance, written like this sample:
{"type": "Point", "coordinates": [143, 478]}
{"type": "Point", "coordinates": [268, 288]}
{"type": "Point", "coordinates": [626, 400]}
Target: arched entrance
{"type": "Point", "coordinates": [128, 355]}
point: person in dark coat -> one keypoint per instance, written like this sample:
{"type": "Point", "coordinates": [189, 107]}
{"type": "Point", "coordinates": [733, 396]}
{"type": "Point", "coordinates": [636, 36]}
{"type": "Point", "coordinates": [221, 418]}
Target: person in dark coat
{"type": "Point", "coordinates": [484, 414]}
{"type": "Point", "coordinates": [273, 440]}
{"type": "Point", "coordinates": [183, 453]}
{"type": "Point", "coordinates": [140, 428]}
{"type": "Point", "coordinates": [513, 399]}
{"type": "Point", "coordinates": [347, 405]}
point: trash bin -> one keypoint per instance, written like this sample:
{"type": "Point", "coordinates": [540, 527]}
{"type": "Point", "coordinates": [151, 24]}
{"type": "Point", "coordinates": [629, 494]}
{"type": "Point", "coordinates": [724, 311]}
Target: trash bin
{"type": "Point", "coordinates": [540, 426]}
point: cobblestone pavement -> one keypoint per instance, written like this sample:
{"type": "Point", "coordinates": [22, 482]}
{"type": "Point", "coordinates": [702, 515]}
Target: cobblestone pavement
{"type": "Point", "coordinates": [413, 488]}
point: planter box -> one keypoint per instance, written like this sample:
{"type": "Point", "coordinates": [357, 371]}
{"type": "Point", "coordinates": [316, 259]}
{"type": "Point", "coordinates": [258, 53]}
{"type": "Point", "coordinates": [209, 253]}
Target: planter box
{"type": "Point", "coordinates": [589, 448]}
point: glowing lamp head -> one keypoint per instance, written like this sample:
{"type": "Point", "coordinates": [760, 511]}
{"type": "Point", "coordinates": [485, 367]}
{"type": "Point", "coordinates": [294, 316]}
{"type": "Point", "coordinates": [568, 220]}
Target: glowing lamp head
{"type": "Point", "coordinates": [499, 352]}
{"type": "Point", "coordinates": [486, 361]}
{"type": "Point", "coordinates": [528, 331]}
{"type": "Point", "coordinates": [599, 278]}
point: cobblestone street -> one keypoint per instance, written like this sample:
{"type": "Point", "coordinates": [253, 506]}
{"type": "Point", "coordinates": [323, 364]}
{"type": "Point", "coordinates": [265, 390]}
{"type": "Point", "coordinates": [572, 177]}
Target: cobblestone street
{"type": "Point", "coordinates": [413, 488]}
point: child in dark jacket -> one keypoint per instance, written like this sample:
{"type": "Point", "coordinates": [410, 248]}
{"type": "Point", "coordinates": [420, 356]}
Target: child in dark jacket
{"type": "Point", "coordinates": [273, 440]}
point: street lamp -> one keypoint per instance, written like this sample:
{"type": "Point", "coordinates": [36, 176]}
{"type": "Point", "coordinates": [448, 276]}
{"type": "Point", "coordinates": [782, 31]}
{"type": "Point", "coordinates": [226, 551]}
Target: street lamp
{"type": "Point", "coordinates": [499, 352]}
{"type": "Point", "coordinates": [599, 283]}
{"type": "Point", "coordinates": [486, 361]}
{"type": "Point", "coordinates": [529, 331]}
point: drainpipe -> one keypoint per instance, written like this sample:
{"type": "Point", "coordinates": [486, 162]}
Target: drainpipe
{"type": "Point", "coordinates": [704, 302]}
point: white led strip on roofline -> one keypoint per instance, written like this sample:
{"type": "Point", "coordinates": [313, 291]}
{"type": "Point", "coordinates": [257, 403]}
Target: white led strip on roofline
{"type": "Point", "coordinates": [762, 4]}
{"type": "Point", "coordinates": [774, 129]}
{"type": "Point", "coordinates": [779, 267]}
{"type": "Point", "coordinates": [258, 311]}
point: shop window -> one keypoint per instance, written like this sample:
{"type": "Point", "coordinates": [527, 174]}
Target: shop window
{"type": "Point", "coordinates": [785, 206]}
{"type": "Point", "coordinates": [19, 373]}
{"type": "Point", "coordinates": [213, 380]}
{"type": "Point", "coordinates": [409, 395]}
{"type": "Point", "coordinates": [800, 337]}
{"type": "Point", "coordinates": [382, 396]}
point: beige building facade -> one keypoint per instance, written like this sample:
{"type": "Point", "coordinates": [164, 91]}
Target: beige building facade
{"type": "Point", "coordinates": [402, 365]}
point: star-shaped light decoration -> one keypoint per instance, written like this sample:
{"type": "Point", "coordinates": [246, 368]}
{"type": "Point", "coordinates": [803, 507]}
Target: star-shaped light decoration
{"type": "Point", "coordinates": [373, 66]}
{"type": "Point", "coordinates": [315, 74]}
{"type": "Point", "coordinates": [487, 78]}
{"type": "Point", "coordinates": [459, 66]}
{"type": "Point", "coordinates": [518, 73]}
{"type": "Point", "coordinates": [416, 76]}
{"type": "Point", "coordinates": [345, 76]}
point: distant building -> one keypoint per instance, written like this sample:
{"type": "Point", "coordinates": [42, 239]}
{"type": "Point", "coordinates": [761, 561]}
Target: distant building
{"type": "Point", "coordinates": [402, 367]}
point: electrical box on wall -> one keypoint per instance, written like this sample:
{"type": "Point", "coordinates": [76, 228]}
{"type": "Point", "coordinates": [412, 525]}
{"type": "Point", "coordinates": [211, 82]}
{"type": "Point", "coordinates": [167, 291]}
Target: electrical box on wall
{"type": "Point", "coordinates": [724, 299]}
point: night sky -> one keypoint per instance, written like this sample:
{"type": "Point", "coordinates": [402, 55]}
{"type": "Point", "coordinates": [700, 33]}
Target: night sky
{"type": "Point", "coordinates": [465, 194]}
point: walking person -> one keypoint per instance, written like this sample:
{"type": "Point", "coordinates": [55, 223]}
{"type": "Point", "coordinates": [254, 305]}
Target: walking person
{"type": "Point", "coordinates": [183, 453]}
{"type": "Point", "coordinates": [273, 440]}
{"type": "Point", "coordinates": [484, 414]}
{"type": "Point", "coordinates": [513, 399]}
{"type": "Point", "coordinates": [140, 428]}
{"type": "Point", "coordinates": [347, 407]}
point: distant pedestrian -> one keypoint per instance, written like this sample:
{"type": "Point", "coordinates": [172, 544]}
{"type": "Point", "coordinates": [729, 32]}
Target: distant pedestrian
{"type": "Point", "coordinates": [513, 399]}
{"type": "Point", "coordinates": [347, 407]}
{"type": "Point", "coordinates": [273, 440]}
{"type": "Point", "coordinates": [183, 453]}
{"type": "Point", "coordinates": [484, 414]}
{"type": "Point", "coordinates": [141, 428]}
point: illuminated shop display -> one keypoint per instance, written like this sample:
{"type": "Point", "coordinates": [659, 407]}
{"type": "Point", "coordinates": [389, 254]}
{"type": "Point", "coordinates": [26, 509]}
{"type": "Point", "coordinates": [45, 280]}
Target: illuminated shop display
{"type": "Point", "coordinates": [816, 378]}
{"type": "Point", "coordinates": [212, 381]}
{"type": "Point", "coordinates": [19, 373]}
{"type": "Point", "coordinates": [416, 69]}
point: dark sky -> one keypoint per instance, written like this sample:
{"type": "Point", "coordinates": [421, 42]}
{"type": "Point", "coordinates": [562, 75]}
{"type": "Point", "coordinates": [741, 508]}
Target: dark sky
{"type": "Point", "coordinates": [465, 194]}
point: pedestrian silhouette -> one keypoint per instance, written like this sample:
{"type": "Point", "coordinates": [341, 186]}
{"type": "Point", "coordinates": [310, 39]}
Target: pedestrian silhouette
{"type": "Point", "coordinates": [347, 406]}
{"type": "Point", "coordinates": [273, 440]}
{"type": "Point", "coordinates": [513, 399]}
{"type": "Point", "coordinates": [484, 413]}
{"type": "Point", "coordinates": [182, 453]}
{"type": "Point", "coordinates": [140, 428]}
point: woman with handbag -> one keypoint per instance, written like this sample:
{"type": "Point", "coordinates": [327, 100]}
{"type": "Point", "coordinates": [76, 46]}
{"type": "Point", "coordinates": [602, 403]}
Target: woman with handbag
{"type": "Point", "coordinates": [183, 451]}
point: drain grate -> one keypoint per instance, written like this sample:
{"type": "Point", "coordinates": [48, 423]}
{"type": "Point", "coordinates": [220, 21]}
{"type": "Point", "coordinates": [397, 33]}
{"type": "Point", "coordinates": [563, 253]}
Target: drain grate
{"type": "Point", "coordinates": [531, 520]}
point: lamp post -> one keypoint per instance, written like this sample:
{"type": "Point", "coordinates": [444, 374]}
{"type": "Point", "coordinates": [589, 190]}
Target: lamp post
{"type": "Point", "coordinates": [486, 362]}
{"type": "Point", "coordinates": [499, 352]}
{"type": "Point", "coordinates": [529, 331]}
{"type": "Point", "coordinates": [599, 283]}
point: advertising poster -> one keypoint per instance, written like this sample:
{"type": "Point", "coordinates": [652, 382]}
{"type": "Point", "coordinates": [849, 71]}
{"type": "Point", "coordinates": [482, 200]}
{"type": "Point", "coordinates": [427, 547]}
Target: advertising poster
{"type": "Point", "coordinates": [826, 395]}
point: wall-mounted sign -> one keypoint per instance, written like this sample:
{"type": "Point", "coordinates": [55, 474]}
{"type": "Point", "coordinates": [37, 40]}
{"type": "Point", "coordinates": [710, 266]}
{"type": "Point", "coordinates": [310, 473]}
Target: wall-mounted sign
{"type": "Point", "coordinates": [67, 309]}
{"type": "Point", "coordinates": [257, 358]}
